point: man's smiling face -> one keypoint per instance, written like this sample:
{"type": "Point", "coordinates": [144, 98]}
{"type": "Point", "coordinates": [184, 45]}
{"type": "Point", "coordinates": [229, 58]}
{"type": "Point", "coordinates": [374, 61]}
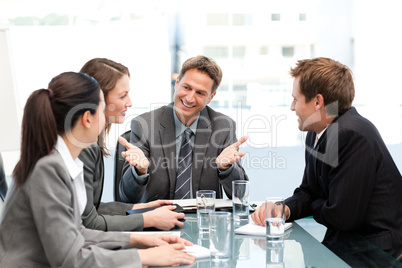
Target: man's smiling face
{"type": "Point", "coordinates": [192, 94]}
{"type": "Point", "coordinates": [306, 112]}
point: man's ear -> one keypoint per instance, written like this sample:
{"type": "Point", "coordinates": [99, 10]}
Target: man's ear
{"type": "Point", "coordinates": [177, 82]}
{"type": "Point", "coordinates": [86, 119]}
{"type": "Point", "coordinates": [212, 96]}
{"type": "Point", "coordinates": [319, 102]}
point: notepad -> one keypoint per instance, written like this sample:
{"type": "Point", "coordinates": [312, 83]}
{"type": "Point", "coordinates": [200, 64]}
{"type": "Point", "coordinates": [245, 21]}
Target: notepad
{"type": "Point", "coordinates": [256, 230]}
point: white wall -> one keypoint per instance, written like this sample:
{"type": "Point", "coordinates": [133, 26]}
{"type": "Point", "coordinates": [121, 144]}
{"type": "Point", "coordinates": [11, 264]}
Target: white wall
{"type": "Point", "coordinates": [10, 117]}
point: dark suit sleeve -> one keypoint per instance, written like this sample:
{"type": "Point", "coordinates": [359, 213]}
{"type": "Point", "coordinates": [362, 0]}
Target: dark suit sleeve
{"type": "Point", "coordinates": [133, 186]}
{"type": "Point", "coordinates": [345, 177]}
{"type": "Point", "coordinates": [350, 181]}
{"type": "Point", "coordinates": [237, 172]}
{"type": "Point", "coordinates": [299, 202]}
{"type": "Point", "coordinates": [303, 196]}
{"type": "Point", "coordinates": [93, 219]}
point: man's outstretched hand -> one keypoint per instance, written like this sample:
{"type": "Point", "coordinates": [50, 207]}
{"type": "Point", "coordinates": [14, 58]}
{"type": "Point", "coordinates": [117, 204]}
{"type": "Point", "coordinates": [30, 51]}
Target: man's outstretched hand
{"type": "Point", "coordinates": [230, 154]}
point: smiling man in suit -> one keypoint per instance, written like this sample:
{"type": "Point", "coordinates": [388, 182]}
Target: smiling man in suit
{"type": "Point", "coordinates": [184, 146]}
{"type": "Point", "coordinates": [350, 182]}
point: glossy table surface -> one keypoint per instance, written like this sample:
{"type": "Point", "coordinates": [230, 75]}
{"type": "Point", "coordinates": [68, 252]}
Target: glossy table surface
{"type": "Point", "coordinates": [299, 249]}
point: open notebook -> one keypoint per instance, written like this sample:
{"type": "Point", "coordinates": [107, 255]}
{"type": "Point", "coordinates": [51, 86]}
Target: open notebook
{"type": "Point", "coordinates": [190, 205]}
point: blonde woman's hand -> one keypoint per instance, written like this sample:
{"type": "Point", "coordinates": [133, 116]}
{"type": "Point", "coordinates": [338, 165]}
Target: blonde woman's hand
{"type": "Point", "coordinates": [163, 218]}
{"type": "Point", "coordinates": [135, 156]}
{"type": "Point", "coordinates": [156, 203]}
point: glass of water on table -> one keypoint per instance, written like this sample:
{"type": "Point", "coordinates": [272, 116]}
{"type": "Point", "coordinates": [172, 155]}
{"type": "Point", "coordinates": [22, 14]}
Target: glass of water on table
{"type": "Point", "coordinates": [240, 200]}
{"type": "Point", "coordinates": [275, 217]}
{"type": "Point", "coordinates": [205, 205]}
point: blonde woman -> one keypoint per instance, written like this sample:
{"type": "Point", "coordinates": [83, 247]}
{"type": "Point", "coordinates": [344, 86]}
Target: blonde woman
{"type": "Point", "coordinates": [114, 80]}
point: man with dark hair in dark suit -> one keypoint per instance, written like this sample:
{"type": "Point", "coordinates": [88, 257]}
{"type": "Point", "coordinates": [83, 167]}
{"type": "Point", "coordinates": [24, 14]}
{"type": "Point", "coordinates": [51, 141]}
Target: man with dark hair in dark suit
{"type": "Point", "coordinates": [350, 181]}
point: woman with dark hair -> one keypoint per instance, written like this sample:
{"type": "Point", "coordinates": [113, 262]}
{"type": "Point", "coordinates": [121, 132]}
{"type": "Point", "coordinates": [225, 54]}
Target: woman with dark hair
{"type": "Point", "coordinates": [40, 225]}
{"type": "Point", "coordinates": [113, 79]}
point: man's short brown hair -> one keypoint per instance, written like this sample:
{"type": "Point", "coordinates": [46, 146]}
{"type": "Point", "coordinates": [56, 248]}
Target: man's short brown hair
{"type": "Point", "coordinates": [330, 78]}
{"type": "Point", "coordinates": [205, 65]}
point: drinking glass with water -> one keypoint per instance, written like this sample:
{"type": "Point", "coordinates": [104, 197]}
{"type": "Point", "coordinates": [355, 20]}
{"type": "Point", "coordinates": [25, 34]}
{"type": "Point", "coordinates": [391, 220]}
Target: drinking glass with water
{"type": "Point", "coordinates": [275, 217]}
{"type": "Point", "coordinates": [205, 205]}
{"type": "Point", "coordinates": [240, 199]}
{"type": "Point", "coordinates": [220, 236]}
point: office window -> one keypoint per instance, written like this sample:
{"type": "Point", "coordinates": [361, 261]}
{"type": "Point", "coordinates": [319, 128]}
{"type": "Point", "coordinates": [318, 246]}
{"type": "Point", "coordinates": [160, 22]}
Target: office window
{"type": "Point", "coordinates": [217, 52]}
{"type": "Point", "coordinates": [288, 52]}
{"type": "Point", "coordinates": [312, 50]}
{"type": "Point", "coordinates": [49, 19]}
{"type": "Point", "coordinates": [217, 19]}
{"type": "Point", "coordinates": [239, 88]}
{"type": "Point", "coordinates": [264, 50]}
{"type": "Point", "coordinates": [239, 96]}
{"type": "Point", "coordinates": [276, 95]}
{"type": "Point", "coordinates": [219, 103]}
{"type": "Point", "coordinates": [275, 17]}
{"type": "Point", "coordinates": [242, 19]}
{"type": "Point", "coordinates": [221, 100]}
{"type": "Point", "coordinates": [239, 19]}
{"type": "Point", "coordinates": [239, 52]}
{"type": "Point", "coordinates": [302, 17]}
{"type": "Point", "coordinates": [24, 21]}
{"type": "Point", "coordinates": [223, 88]}
{"type": "Point", "coordinates": [240, 100]}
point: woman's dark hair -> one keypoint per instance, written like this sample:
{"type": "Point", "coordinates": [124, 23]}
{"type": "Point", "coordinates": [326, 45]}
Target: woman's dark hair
{"type": "Point", "coordinates": [107, 73]}
{"type": "Point", "coordinates": [48, 112]}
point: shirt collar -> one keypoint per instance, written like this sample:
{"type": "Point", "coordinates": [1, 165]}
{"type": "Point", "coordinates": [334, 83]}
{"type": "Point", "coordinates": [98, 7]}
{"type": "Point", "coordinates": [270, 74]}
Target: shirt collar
{"type": "Point", "coordinates": [74, 167]}
{"type": "Point", "coordinates": [180, 128]}
{"type": "Point", "coordinates": [320, 134]}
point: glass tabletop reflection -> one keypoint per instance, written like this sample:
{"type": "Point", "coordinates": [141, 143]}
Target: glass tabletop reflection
{"type": "Point", "coordinates": [298, 249]}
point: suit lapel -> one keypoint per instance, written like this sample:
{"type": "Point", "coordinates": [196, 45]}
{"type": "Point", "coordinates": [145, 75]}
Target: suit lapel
{"type": "Point", "coordinates": [201, 144]}
{"type": "Point", "coordinates": [168, 142]}
{"type": "Point", "coordinates": [310, 141]}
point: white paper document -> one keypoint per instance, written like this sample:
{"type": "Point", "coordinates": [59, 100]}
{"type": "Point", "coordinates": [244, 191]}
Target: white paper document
{"type": "Point", "coordinates": [253, 229]}
{"type": "Point", "coordinates": [185, 203]}
{"type": "Point", "coordinates": [198, 251]}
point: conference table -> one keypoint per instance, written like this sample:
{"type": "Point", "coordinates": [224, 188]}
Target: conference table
{"type": "Point", "coordinates": [299, 249]}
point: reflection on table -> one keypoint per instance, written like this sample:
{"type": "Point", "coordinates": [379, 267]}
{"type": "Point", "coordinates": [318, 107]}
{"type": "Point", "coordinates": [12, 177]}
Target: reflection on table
{"type": "Point", "coordinates": [299, 249]}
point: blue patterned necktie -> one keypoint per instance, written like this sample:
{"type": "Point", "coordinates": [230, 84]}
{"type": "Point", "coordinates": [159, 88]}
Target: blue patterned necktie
{"type": "Point", "coordinates": [185, 162]}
